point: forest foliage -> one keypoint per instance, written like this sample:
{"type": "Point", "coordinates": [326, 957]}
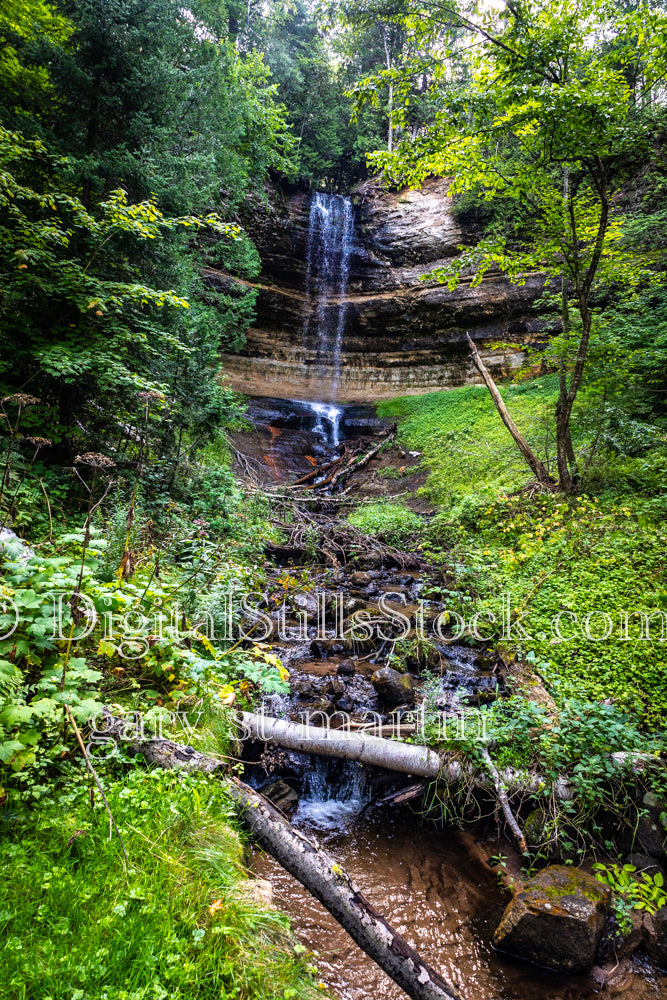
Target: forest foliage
{"type": "Point", "coordinates": [133, 134]}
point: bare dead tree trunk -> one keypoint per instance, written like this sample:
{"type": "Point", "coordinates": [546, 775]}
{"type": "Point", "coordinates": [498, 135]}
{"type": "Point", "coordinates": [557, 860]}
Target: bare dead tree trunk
{"type": "Point", "coordinates": [537, 467]}
{"type": "Point", "coordinates": [325, 879]}
{"type": "Point", "coordinates": [317, 871]}
{"type": "Point", "coordinates": [410, 758]}
{"type": "Point", "coordinates": [405, 758]}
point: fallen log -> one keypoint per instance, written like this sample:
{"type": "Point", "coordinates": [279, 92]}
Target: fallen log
{"type": "Point", "coordinates": [537, 467]}
{"type": "Point", "coordinates": [353, 465]}
{"type": "Point", "coordinates": [317, 871]}
{"type": "Point", "coordinates": [319, 469]}
{"type": "Point", "coordinates": [407, 758]}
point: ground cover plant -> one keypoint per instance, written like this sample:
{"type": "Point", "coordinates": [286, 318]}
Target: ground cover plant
{"type": "Point", "coordinates": [179, 920]}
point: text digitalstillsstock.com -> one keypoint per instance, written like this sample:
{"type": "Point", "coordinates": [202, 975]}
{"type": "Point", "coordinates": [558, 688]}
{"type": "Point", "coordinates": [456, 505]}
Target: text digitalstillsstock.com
{"type": "Point", "coordinates": [242, 615]}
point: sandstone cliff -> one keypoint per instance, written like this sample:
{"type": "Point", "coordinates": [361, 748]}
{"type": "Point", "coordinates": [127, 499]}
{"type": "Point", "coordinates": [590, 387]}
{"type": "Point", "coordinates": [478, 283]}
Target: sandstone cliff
{"type": "Point", "coordinates": [401, 335]}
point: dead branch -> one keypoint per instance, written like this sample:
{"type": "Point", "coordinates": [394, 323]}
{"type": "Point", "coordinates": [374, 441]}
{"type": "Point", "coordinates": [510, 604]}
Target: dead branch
{"type": "Point", "coordinates": [536, 465]}
{"type": "Point", "coordinates": [504, 801]}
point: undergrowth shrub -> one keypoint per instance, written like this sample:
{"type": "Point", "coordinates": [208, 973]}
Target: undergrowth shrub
{"type": "Point", "coordinates": [390, 522]}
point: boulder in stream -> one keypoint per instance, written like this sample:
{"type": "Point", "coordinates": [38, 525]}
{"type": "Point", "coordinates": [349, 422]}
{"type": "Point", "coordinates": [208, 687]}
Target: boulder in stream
{"type": "Point", "coordinates": [345, 704]}
{"type": "Point", "coordinates": [392, 687]}
{"type": "Point", "coordinates": [556, 920]}
{"type": "Point", "coordinates": [306, 602]}
{"type": "Point", "coordinates": [322, 649]}
{"type": "Point", "coordinates": [346, 668]}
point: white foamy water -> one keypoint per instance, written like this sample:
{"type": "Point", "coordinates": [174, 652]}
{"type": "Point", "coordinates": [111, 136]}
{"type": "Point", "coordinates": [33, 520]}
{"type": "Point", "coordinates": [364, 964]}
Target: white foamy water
{"type": "Point", "coordinates": [328, 421]}
{"type": "Point", "coordinates": [330, 801]}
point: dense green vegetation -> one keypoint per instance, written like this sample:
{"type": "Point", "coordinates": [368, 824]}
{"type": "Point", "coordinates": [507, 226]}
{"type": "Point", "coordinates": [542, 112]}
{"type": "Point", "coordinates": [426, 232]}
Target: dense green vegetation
{"type": "Point", "coordinates": [179, 921]}
{"type": "Point", "coordinates": [601, 552]}
{"type": "Point", "coordinates": [130, 133]}
{"type": "Point", "coordinates": [131, 136]}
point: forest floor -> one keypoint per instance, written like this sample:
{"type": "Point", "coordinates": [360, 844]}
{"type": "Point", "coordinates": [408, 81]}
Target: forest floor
{"type": "Point", "coordinates": [450, 493]}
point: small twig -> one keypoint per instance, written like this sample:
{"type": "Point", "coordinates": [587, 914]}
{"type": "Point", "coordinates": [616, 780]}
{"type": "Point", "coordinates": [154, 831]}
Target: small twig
{"type": "Point", "coordinates": [97, 782]}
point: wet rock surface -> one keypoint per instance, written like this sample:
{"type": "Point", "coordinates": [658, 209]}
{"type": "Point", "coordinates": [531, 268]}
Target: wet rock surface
{"type": "Point", "coordinates": [393, 687]}
{"type": "Point", "coordinates": [651, 830]}
{"type": "Point", "coordinates": [363, 670]}
{"type": "Point", "coordinates": [556, 919]}
{"type": "Point", "coordinates": [655, 936]}
{"type": "Point", "coordinates": [401, 334]}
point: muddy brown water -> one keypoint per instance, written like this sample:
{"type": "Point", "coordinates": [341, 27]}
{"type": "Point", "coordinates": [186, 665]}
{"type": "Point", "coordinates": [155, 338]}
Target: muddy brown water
{"type": "Point", "coordinates": [429, 885]}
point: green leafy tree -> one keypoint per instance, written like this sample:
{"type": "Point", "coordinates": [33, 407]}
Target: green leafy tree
{"type": "Point", "coordinates": [27, 31]}
{"type": "Point", "coordinates": [555, 97]}
{"type": "Point", "coordinates": [76, 322]}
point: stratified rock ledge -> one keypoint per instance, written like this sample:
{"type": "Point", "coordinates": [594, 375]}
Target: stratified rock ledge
{"type": "Point", "coordinates": [402, 335]}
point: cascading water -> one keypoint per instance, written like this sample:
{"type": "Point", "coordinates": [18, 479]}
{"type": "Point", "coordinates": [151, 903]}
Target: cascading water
{"type": "Point", "coordinates": [332, 797]}
{"type": "Point", "coordinates": [330, 237]}
{"type": "Point", "coordinates": [330, 413]}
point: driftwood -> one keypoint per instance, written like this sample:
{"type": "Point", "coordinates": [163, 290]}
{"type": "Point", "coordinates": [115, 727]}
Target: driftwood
{"type": "Point", "coordinates": [344, 465]}
{"type": "Point", "coordinates": [354, 465]}
{"type": "Point", "coordinates": [403, 795]}
{"type": "Point", "coordinates": [319, 469]}
{"type": "Point", "coordinates": [303, 858]}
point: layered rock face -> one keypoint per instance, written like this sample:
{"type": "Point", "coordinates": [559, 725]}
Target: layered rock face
{"type": "Point", "coordinates": [401, 335]}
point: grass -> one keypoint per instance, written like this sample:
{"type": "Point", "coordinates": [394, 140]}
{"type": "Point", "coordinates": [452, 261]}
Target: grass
{"type": "Point", "coordinates": [599, 554]}
{"type": "Point", "coordinates": [178, 924]}
{"type": "Point", "coordinates": [463, 440]}
{"type": "Point", "coordinates": [391, 522]}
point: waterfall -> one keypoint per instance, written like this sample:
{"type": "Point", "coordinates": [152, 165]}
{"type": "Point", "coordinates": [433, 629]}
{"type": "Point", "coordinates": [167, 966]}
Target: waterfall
{"type": "Point", "coordinates": [333, 796]}
{"type": "Point", "coordinates": [330, 234]}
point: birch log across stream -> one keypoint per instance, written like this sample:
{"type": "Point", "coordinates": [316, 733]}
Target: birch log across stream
{"type": "Point", "coordinates": [405, 758]}
{"type": "Point", "coordinates": [302, 857]}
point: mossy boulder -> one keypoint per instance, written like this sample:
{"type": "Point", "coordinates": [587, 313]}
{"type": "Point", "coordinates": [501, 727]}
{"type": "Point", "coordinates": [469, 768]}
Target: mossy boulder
{"type": "Point", "coordinates": [535, 826]}
{"type": "Point", "coordinates": [392, 687]}
{"type": "Point", "coordinates": [556, 919]}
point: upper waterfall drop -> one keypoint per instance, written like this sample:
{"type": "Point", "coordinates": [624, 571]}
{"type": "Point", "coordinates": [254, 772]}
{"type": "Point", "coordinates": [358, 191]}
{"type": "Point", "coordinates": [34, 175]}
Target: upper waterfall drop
{"type": "Point", "coordinates": [330, 241]}
{"type": "Point", "coordinates": [330, 234]}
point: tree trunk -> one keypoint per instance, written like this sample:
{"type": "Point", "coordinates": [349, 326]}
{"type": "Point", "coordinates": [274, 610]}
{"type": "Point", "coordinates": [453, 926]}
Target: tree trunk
{"type": "Point", "coordinates": [317, 871]}
{"type": "Point", "coordinates": [562, 450]}
{"type": "Point", "coordinates": [326, 880]}
{"type": "Point", "coordinates": [390, 128]}
{"type": "Point", "coordinates": [409, 758]}
{"type": "Point", "coordinates": [565, 457]}
{"type": "Point", "coordinates": [537, 467]}
{"type": "Point", "coordinates": [405, 758]}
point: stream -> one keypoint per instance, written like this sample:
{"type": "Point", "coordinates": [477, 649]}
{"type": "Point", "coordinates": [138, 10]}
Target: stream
{"type": "Point", "coordinates": [433, 884]}
{"type": "Point", "coordinates": [430, 885]}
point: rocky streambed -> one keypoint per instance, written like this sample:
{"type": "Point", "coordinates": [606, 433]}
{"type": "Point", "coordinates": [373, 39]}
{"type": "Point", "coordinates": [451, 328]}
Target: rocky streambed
{"type": "Point", "coordinates": [350, 632]}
